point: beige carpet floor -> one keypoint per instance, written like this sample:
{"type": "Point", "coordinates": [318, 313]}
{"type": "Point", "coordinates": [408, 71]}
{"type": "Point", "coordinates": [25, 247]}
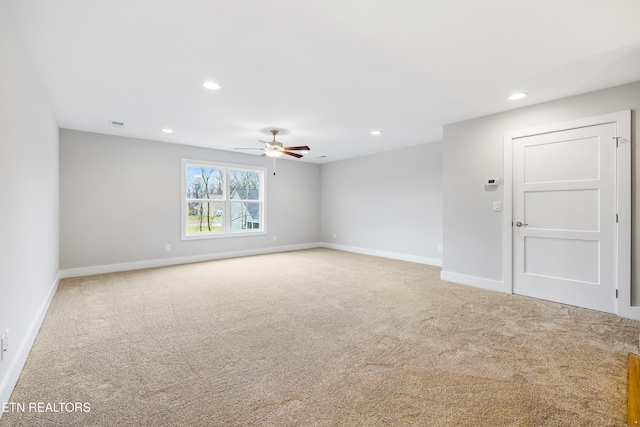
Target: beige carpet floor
{"type": "Point", "coordinates": [319, 338]}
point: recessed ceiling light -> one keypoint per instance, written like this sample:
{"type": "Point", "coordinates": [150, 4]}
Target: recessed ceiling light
{"type": "Point", "coordinates": [517, 95]}
{"type": "Point", "coordinates": [376, 132]}
{"type": "Point", "coordinates": [167, 130]}
{"type": "Point", "coordinates": [211, 85]}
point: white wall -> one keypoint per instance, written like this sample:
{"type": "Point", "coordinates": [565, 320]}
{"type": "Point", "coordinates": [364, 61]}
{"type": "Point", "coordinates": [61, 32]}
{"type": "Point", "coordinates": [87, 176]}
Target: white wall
{"type": "Point", "coordinates": [120, 204]}
{"type": "Point", "coordinates": [473, 152]}
{"type": "Point", "coordinates": [28, 203]}
{"type": "Point", "coordinates": [387, 204]}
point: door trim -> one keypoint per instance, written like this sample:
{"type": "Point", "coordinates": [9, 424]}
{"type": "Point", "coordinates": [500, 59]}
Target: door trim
{"type": "Point", "coordinates": [622, 119]}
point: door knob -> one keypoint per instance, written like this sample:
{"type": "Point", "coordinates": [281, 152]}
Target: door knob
{"type": "Point", "coordinates": [519, 224]}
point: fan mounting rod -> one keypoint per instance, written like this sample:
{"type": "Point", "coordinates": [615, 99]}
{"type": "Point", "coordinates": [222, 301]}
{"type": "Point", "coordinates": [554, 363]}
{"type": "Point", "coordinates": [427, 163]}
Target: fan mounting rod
{"type": "Point", "coordinates": [275, 144]}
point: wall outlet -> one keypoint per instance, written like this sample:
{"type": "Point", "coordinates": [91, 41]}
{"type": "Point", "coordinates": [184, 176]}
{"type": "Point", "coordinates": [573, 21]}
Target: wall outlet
{"type": "Point", "coordinates": [167, 248]}
{"type": "Point", "coordinates": [334, 237]}
{"type": "Point", "coordinates": [439, 248]}
{"type": "Point", "coordinates": [275, 238]}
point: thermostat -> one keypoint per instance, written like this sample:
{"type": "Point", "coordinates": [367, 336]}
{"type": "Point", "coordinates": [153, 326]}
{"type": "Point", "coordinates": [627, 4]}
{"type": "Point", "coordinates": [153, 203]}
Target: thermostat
{"type": "Point", "coordinates": [492, 182]}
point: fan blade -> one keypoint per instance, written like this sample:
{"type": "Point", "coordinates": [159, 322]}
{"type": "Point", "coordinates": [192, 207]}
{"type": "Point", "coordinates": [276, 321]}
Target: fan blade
{"type": "Point", "coordinates": [291, 154]}
{"type": "Point", "coordinates": [301, 147]}
{"type": "Point", "coordinates": [264, 142]}
{"type": "Point", "coordinates": [242, 148]}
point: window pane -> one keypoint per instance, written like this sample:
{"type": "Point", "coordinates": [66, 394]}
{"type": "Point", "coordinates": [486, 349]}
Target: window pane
{"type": "Point", "coordinates": [205, 217]}
{"type": "Point", "coordinates": [204, 183]}
{"type": "Point", "coordinates": [244, 185]}
{"type": "Point", "coordinates": [245, 216]}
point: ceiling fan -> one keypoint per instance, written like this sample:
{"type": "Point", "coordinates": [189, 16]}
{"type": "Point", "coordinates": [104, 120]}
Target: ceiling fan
{"type": "Point", "coordinates": [276, 149]}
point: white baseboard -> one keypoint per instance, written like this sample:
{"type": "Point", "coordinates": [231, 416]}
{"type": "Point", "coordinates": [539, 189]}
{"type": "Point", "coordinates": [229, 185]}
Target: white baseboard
{"type": "Point", "coordinates": [164, 262]}
{"type": "Point", "coordinates": [385, 254]}
{"type": "Point", "coordinates": [24, 347]}
{"type": "Point", "coordinates": [478, 282]}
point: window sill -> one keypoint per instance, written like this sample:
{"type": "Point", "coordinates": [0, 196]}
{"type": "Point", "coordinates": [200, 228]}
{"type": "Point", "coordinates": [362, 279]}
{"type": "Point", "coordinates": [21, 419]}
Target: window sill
{"type": "Point", "coordinates": [202, 236]}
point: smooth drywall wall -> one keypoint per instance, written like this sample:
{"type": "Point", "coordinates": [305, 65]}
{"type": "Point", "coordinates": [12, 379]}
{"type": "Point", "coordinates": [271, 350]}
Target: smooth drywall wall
{"type": "Point", "coordinates": [121, 201]}
{"type": "Point", "coordinates": [28, 203]}
{"type": "Point", "coordinates": [388, 204]}
{"type": "Point", "coordinates": [474, 151]}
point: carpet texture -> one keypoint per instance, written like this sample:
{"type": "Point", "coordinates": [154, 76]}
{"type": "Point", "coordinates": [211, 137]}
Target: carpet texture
{"type": "Point", "coordinates": [318, 338]}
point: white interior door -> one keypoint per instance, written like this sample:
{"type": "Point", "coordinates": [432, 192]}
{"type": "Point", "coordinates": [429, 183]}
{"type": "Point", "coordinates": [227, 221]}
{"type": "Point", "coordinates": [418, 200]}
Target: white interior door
{"type": "Point", "coordinates": [564, 216]}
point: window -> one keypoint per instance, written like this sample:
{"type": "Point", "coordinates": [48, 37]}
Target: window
{"type": "Point", "coordinates": [221, 200]}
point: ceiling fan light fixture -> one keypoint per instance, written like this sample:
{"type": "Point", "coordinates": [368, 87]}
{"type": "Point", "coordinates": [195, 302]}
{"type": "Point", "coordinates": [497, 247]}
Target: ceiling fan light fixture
{"type": "Point", "coordinates": [376, 132]}
{"type": "Point", "coordinates": [276, 149]}
{"type": "Point", "coordinates": [273, 153]}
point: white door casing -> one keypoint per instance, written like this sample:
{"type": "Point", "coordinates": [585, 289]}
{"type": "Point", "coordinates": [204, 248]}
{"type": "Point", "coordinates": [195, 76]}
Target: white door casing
{"type": "Point", "coordinates": [568, 181]}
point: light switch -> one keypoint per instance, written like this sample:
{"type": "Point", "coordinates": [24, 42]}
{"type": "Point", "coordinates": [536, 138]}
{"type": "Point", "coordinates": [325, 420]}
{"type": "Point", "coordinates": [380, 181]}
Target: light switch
{"type": "Point", "coordinates": [497, 206]}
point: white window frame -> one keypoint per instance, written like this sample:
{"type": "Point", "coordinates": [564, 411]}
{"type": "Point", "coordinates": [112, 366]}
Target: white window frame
{"type": "Point", "coordinates": [226, 167]}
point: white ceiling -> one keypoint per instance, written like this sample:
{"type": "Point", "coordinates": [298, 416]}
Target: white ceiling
{"type": "Point", "coordinates": [324, 72]}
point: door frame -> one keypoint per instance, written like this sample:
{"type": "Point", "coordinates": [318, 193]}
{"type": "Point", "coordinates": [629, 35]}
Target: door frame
{"type": "Point", "coordinates": [622, 119]}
